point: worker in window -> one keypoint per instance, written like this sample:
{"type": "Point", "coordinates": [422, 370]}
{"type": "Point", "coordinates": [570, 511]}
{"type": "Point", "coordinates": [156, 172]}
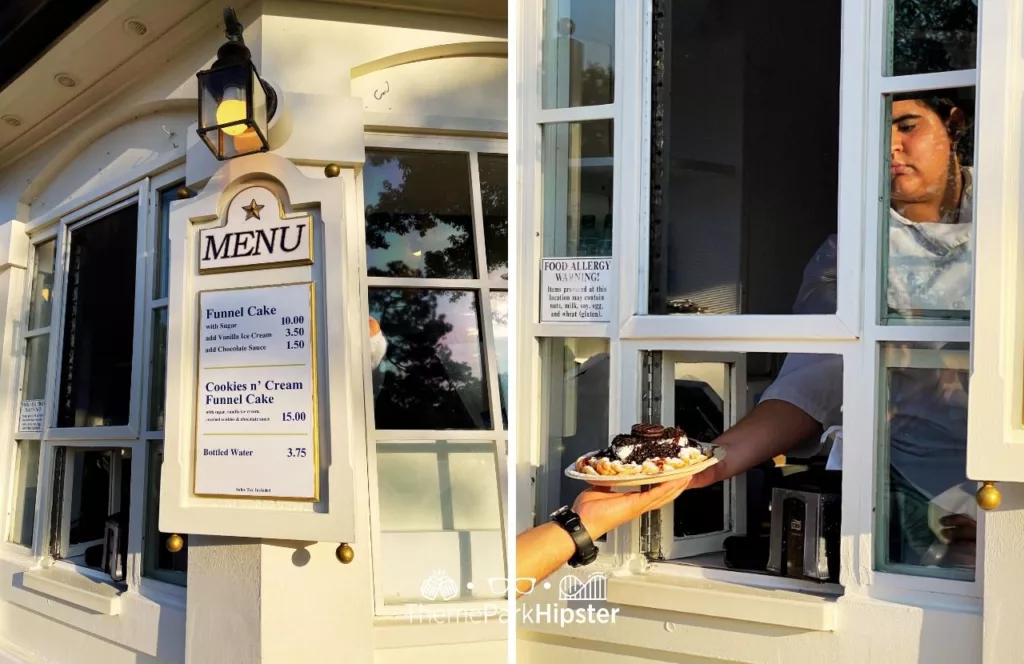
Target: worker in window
{"type": "Point", "coordinates": [932, 517]}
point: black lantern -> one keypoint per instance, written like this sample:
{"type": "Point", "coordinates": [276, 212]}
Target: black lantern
{"type": "Point", "coordinates": [235, 104]}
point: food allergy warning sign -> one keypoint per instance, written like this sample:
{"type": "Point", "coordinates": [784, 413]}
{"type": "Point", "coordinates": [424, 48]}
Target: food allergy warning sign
{"type": "Point", "coordinates": [256, 427]}
{"type": "Point", "coordinates": [575, 290]}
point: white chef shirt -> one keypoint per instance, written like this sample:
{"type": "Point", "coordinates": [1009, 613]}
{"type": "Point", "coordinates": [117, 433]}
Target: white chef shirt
{"type": "Point", "coordinates": [929, 268]}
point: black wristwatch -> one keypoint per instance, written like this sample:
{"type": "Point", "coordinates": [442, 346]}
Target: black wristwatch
{"type": "Point", "coordinates": [586, 550]}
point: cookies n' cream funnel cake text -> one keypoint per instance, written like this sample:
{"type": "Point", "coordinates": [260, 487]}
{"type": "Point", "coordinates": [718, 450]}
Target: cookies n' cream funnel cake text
{"type": "Point", "coordinates": [649, 449]}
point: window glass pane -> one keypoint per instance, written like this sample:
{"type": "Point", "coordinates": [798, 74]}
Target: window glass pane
{"type": "Point", "coordinates": [162, 244]}
{"type": "Point", "coordinates": [577, 171]}
{"type": "Point", "coordinates": [41, 300]}
{"type": "Point", "coordinates": [158, 370]}
{"type": "Point", "coordinates": [575, 399]}
{"type": "Point", "coordinates": [928, 513]}
{"type": "Point", "coordinates": [930, 36]}
{"type": "Point", "coordinates": [432, 375]}
{"type": "Point", "coordinates": [927, 237]}
{"type": "Point", "coordinates": [494, 193]}
{"type": "Point", "coordinates": [419, 219]}
{"type": "Point", "coordinates": [742, 221]}
{"type": "Point", "coordinates": [99, 323]}
{"type": "Point", "coordinates": [159, 562]}
{"type": "Point", "coordinates": [499, 319]}
{"type": "Point", "coordinates": [579, 53]}
{"type": "Point", "coordinates": [36, 351]}
{"type": "Point", "coordinates": [26, 483]}
{"type": "Point", "coordinates": [95, 507]}
{"type": "Point", "coordinates": [440, 499]}
{"type": "Point", "coordinates": [701, 400]}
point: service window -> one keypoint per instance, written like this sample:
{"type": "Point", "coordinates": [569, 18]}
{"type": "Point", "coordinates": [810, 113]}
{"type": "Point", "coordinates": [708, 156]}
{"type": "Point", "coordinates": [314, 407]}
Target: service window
{"type": "Point", "coordinates": [800, 292]}
{"type": "Point", "coordinates": [91, 408]}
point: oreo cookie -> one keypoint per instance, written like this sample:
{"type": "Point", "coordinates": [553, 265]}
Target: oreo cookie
{"type": "Point", "coordinates": [649, 431]}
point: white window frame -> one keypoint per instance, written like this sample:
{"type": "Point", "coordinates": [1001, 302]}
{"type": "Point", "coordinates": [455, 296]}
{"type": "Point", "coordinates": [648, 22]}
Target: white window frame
{"type": "Point", "coordinates": [483, 286]}
{"type": "Point", "coordinates": [735, 489]}
{"type": "Point", "coordinates": [144, 192]}
{"type": "Point", "coordinates": [854, 332]}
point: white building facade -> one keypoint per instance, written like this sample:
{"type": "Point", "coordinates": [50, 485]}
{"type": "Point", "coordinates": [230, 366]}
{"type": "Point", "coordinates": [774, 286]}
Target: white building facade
{"type": "Point", "coordinates": [389, 149]}
{"type": "Point", "coordinates": [738, 167]}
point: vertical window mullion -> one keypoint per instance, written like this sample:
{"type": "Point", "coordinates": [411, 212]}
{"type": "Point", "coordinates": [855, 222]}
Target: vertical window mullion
{"type": "Point", "coordinates": [486, 315]}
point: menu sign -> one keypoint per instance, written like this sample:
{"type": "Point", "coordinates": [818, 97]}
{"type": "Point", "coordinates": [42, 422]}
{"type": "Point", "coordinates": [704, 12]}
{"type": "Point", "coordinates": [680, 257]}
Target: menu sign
{"type": "Point", "coordinates": [256, 410]}
{"type": "Point", "coordinates": [575, 290]}
{"type": "Point", "coordinates": [256, 234]}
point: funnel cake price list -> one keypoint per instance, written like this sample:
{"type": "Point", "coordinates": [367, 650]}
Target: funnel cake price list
{"type": "Point", "coordinates": [256, 433]}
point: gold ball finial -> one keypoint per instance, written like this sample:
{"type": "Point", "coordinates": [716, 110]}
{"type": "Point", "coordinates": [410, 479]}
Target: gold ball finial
{"type": "Point", "coordinates": [988, 496]}
{"type": "Point", "coordinates": [184, 192]}
{"type": "Point", "coordinates": [332, 170]}
{"type": "Point", "coordinates": [345, 554]}
{"type": "Point", "coordinates": [174, 543]}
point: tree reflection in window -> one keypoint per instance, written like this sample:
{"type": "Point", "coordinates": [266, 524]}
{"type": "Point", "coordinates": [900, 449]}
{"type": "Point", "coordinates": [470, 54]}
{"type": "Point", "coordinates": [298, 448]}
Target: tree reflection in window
{"type": "Point", "coordinates": [419, 219]}
{"type": "Point", "coordinates": [432, 375]}
{"type": "Point", "coordinates": [932, 36]}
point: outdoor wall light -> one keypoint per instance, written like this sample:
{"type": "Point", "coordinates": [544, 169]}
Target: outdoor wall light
{"type": "Point", "coordinates": [235, 104]}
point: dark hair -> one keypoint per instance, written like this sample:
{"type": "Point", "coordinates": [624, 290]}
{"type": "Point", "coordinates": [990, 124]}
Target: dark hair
{"type": "Point", "coordinates": [943, 103]}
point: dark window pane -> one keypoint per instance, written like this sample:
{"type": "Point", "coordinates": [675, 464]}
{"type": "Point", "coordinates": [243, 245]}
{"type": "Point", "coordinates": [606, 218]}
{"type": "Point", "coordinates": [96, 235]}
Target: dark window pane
{"type": "Point", "coordinates": [99, 322]}
{"type": "Point", "coordinates": [41, 302]}
{"type": "Point", "coordinates": [432, 375]}
{"type": "Point", "coordinates": [494, 192]}
{"type": "Point", "coordinates": [162, 244]}
{"type": "Point", "coordinates": [158, 370]}
{"type": "Point", "coordinates": [159, 562]}
{"type": "Point", "coordinates": [579, 53]}
{"type": "Point", "coordinates": [97, 507]}
{"type": "Point", "coordinates": [578, 170]}
{"type": "Point", "coordinates": [742, 222]}
{"type": "Point", "coordinates": [419, 220]}
{"type": "Point", "coordinates": [931, 36]}
{"type": "Point", "coordinates": [927, 513]}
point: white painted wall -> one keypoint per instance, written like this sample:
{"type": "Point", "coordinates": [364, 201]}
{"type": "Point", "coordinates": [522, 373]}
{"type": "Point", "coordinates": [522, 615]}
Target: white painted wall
{"type": "Point", "coordinates": [251, 601]}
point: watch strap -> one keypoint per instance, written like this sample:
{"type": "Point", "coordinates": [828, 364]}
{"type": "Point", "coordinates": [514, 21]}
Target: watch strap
{"type": "Point", "coordinates": [586, 551]}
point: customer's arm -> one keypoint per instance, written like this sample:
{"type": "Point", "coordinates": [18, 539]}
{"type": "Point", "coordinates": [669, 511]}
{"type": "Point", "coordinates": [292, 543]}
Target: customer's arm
{"type": "Point", "coordinates": [542, 550]}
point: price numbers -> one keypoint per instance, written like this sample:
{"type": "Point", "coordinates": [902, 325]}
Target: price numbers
{"type": "Point", "coordinates": [293, 320]}
{"type": "Point", "coordinates": [297, 416]}
{"type": "Point", "coordinates": [294, 331]}
{"type": "Point", "coordinates": [296, 452]}
{"type": "Point", "coordinates": [297, 343]}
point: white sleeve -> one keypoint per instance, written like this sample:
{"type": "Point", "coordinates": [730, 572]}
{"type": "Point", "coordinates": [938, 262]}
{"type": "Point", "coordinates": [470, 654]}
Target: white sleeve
{"type": "Point", "coordinates": [813, 382]}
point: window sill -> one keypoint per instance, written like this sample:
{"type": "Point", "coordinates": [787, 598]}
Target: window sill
{"type": "Point", "coordinates": [724, 600]}
{"type": "Point", "coordinates": [74, 588]}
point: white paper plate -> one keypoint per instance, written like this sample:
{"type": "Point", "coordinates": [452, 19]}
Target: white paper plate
{"type": "Point", "coordinates": [717, 454]}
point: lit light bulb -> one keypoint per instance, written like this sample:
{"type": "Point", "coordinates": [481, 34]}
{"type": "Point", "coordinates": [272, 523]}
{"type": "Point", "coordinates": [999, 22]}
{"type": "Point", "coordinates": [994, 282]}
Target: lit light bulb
{"type": "Point", "coordinates": [232, 109]}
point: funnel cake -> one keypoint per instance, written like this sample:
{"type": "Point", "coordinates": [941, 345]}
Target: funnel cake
{"type": "Point", "coordinates": [649, 449]}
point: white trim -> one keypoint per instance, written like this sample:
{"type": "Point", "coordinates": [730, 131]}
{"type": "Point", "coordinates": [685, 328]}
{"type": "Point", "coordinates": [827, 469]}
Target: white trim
{"type": "Point", "coordinates": [576, 113]}
{"type": "Point", "coordinates": [725, 600]}
{"type": "Point", "coordinates": [965, 78]}
{"type": "Point", "coordinates": [745, 326]}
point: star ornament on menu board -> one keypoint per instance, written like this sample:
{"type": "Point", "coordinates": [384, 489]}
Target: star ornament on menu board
{"type": "Point", "coordinates": [257, 234]}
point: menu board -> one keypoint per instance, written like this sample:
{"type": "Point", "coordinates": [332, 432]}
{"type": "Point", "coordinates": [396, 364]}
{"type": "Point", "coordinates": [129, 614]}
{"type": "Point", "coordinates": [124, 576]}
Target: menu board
{"type": "Point", "coordinates": [256, 404]}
